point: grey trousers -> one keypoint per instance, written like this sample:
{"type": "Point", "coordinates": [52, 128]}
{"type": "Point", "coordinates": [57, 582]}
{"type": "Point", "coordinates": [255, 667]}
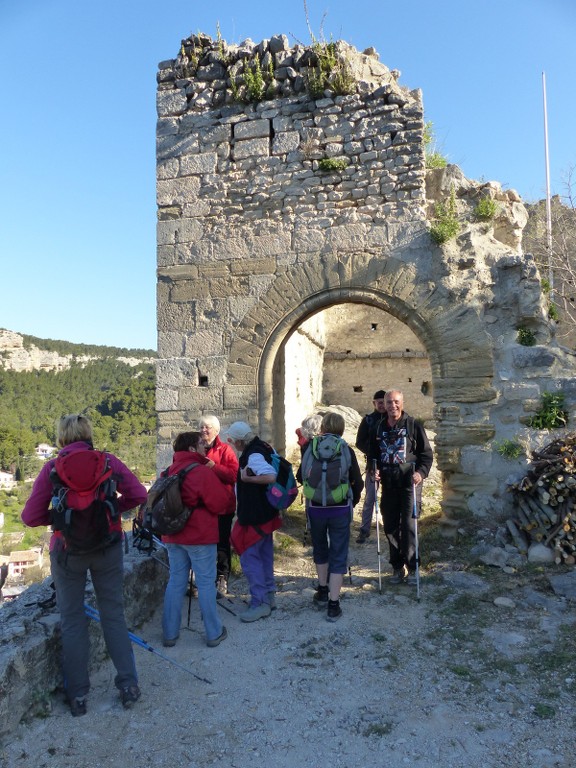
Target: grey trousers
{"type": "Point", "coordinates": [368, 506]}
{"type": "Point", "coordinates": [70, 574]}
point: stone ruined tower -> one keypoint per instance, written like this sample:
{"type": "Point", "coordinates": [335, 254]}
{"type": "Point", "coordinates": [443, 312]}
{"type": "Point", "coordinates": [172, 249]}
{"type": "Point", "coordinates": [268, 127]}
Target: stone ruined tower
{"type": "Point", "coordinates": [290, 180]}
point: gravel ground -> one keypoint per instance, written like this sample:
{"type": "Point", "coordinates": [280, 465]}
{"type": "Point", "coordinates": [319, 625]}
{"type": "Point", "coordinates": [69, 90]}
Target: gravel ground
{"type": "Point", "coordinates": [478, 673]}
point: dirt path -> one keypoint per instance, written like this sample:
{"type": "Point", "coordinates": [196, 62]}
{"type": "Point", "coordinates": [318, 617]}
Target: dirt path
{"type": "Point", "coordinates": [453, 681]}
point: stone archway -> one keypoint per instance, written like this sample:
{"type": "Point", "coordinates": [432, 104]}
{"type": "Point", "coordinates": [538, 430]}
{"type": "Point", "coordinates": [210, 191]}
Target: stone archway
{"type": "Point", "coordinates": [274, 208]}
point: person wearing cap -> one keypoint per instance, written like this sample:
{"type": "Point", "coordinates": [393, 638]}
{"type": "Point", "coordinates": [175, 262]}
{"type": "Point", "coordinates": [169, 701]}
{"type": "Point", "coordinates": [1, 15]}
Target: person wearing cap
{"type": "Point", "coordinates": [257, 519]}
{"type": "Point", "coordinates": [367, 428]}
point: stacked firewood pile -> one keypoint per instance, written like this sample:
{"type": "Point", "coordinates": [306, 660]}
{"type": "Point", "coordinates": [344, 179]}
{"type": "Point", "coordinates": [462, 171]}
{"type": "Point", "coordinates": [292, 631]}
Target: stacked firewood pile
{"type": "Point", "coordinates": [545, 501]}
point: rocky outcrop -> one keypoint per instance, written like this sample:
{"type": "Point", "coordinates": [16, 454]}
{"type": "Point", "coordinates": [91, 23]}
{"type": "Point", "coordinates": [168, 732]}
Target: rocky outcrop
{"type": "Point", "coordinates": [15, 356]}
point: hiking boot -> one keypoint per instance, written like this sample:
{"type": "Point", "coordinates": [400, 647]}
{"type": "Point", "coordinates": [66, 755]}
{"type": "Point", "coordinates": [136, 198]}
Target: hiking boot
{"type": "Point", "coordinates": [129, 695]}
{"type": "Point", "coordinates": [398, 576]}
{"type": "Point", "coordinates": [221, 587]}
{"type": "Point", "coordinates": [320, 598]}
{"type": "Point", "coordinates": [192, 591]}
{"type": "Point", "coordinates": [334, 611]}
{"type": "Point", "coordinates": [362, 538]}
{"type": "Point", "coordinates": [78, 706]}
{"type": "Point", "coordinates": [411, 579]}
{"type": "Point", "coordinates": [217, 640]}
{"type": "Point", "coordinates": [256, 612]}
{"type": "Point", "coordinates": [169, 643]}
{"type": "Point", "coordinates": [272, 600]}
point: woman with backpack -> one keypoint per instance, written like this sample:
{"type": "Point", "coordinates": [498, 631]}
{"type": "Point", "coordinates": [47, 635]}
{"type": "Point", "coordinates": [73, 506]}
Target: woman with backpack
{"type": "Point", "coordinates": [194, 547]}
{"type": "Point", "coordinates": [94, 544]}
{"type": "Point", "coordinates": [332, 486]}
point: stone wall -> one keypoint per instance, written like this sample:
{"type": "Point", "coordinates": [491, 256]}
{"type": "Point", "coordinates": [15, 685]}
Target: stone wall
{"type": "Point", "coordinates": [30, 648]}
{"type": "Point", "coordinates": [256, 235]}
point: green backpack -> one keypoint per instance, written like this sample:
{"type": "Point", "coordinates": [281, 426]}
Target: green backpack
{"type": "Point", "coordinates": [326, 471]}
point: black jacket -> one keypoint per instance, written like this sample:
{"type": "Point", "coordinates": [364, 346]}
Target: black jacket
{"type": "Point", "coordinates": [366, 430]}
{"type": "Point", "coordinates": [418, 449]}
{"type": "Point", "coordinates": [253, 507]}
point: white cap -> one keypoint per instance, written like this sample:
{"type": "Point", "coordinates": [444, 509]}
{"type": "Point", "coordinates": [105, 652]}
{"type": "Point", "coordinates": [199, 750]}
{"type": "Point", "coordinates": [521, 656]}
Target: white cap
{"type": "Point", "coordinates": [238, 430]}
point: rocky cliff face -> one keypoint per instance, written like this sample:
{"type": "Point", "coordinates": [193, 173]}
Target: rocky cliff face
{"type": "Point", "coordinates": [14, 356]}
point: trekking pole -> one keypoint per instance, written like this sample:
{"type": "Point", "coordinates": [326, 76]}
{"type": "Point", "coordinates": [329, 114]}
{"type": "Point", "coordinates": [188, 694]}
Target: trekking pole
{"type": "Point", "coordinates": [93, 614]}
{"type": "Point", "coordinates": [190, 597]}
{"type": "Point", "coordinates": [377, 513]}
{"type": "Point", "coordinates": [416, 546]}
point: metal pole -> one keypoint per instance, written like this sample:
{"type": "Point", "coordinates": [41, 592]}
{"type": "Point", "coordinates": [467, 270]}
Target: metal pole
{"type": "Point", "coordinates": [377, 513]}
{"type": "Point", "coordinates": [416, 545]}
{"type": "Point", "coordinates": [94, 614]}
{"type": "Point", "coordinates": [548, 200]}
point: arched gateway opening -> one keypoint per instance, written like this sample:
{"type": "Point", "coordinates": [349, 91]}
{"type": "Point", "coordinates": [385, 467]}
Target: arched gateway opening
{"type": "Point", "coordinates": [275, 206]}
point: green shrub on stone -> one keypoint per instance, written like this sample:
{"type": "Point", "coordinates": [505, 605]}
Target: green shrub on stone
{"type": "Point", "coordinates": [446, 225]}
{"type": "Point", "coordinates": [551, 414]}
{"type": "Point", "coordinates": [332, 163]}
{"type": "Point", "coordinates": [486, 209]}
{"type": "Point", "coordinates": [526, 337]}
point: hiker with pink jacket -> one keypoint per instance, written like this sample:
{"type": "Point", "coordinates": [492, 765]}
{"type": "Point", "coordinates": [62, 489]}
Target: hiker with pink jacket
{"type": "Point", "coordinates": [88, 490]}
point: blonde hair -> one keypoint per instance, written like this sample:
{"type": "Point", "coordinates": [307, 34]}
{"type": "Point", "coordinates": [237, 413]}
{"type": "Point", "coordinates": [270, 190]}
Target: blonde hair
{"type": "Point", "coordinates": [72, 429]}
{"type": "Point", "coordinates": [333, 423]}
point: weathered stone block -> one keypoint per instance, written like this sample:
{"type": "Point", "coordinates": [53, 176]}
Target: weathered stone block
{"type": "Point", "coordinates": [198, 164]}
{"type": "Point", "coordinates": [252, 129]}
{"type": "Point", "coordinates": [250, 148]}
{"type": "Point", "coordinates": [240, 396]}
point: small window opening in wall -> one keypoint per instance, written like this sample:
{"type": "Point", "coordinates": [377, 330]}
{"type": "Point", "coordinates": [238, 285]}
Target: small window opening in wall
{"type": "Point", "coordinates": [203, 381]}
{"type": "Point", "coordinates": [425, 388]}
{"type": "Point", "coordinates": [348, 351]}
{"type": "Point", "coordinates": [358, 389]}
{"type": "Point", "coordinates": [374, 326]}
{"type": "Point", "coordinates": [407, 349]}
{"type": "Point", "coordinates": [409, 380]}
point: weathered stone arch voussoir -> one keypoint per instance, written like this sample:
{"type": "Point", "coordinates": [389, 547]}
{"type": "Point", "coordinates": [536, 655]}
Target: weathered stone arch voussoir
{"type": "Point", "coordinates": [459, 349]}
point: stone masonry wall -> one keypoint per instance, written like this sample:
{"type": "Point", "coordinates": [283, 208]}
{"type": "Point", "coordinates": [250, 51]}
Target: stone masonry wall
{"type": "Point", "coordinates": [257, 233]}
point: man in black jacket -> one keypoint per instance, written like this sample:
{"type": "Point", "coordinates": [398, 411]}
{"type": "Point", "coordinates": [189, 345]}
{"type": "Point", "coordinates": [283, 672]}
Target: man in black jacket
{"type": "Point", "coordinates": [366, 430]}
{"type": "Point", "coordinates": [404, 458]}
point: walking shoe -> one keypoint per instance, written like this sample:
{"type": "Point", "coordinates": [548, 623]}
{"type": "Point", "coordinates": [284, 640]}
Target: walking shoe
{"type": "Point", "coordinates": [320, 598]}
{"type": "Point", "coordinates": [221, 587]}
{"type": "Point", "coordinates": [256, 612]}
{"type": "Point", "coordinates": [192, 591]}
{"type": "Point", "coordinates": [272, 600]}
{"type": "Point", "coordinates": [398, 576]}
{"type": "Point", "coordinates": [129, 695]}
{"type": "Point", "coordinates": [334, 611]}
{"type": "Point", "coordinates": [362, 538]}
{"type": "Point", "coordinates": [217, 640]}
{"type": "Point", "coordinates": [78, 706]}
{"type": "Point", "coordinates": [170, 643]}
{"type": "Point", "coordinates": [411, 579]}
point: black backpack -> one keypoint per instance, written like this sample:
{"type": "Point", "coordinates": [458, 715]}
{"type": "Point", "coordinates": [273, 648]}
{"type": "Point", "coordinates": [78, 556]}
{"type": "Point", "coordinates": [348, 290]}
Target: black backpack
{"type": "Point", "coordinates": [84, 500]}
{"type": "Point", "coordinates": [164, 512]}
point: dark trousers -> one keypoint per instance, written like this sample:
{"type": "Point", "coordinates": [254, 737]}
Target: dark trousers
{"type": "Point", "coordinates": [399, 524]}
{"type": "Point", "coordinates": [223, 551]}
{"type": "Point", "coordinates": [70, 574]}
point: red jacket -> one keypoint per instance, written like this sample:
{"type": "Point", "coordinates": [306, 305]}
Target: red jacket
{"type": "Point", "coordinates": [37, 509]}
{"type": "Point", "coordinates": [225, 468]}
{"type": "Point", "coordinates": [203, 492]}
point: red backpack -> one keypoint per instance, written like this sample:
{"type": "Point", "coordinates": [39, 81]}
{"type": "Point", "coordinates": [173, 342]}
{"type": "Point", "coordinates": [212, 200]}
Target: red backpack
{"type": "Point", "coordinates": [84, 502]}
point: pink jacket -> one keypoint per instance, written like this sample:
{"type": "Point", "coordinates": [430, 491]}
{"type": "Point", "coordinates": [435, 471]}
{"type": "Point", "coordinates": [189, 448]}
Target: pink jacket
{"type": "Point", "coordinates": [37, 509]}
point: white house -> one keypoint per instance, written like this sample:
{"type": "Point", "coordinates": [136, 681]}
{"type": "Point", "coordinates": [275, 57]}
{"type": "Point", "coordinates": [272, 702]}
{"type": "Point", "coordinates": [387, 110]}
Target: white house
{"type": "Point", "coordinates": [44, 451]}
{"type": "Point", "coordinates": [7, 480]}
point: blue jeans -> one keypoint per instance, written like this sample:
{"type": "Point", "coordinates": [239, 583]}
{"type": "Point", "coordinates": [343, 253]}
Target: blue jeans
{"type": "Point", "coordinates": [107, 571]}
{"type": "Point", "coordinates": [201, 558]}
{"type": "Point", "coordinates": [258, 566]}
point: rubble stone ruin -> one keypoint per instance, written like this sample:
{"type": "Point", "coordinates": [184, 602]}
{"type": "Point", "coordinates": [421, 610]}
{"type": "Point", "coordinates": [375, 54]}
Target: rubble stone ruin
{"type": "Point", "coordinates": [292, 180]}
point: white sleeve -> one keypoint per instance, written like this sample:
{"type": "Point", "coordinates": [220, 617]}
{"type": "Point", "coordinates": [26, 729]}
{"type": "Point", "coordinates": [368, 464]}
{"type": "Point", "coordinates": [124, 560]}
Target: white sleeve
{"type": "Point", "coordinates": [258, 464]}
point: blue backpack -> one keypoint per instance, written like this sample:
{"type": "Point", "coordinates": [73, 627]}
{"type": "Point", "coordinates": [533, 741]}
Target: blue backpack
{"type": "Point", "coordinates": [281, 493]}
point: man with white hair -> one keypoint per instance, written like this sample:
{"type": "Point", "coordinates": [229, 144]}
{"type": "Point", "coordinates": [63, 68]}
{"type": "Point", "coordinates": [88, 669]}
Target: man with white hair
{"type": "Point", "coordinates": [403, 456]}
{"type": "Point", "coordinates": [257, 519]}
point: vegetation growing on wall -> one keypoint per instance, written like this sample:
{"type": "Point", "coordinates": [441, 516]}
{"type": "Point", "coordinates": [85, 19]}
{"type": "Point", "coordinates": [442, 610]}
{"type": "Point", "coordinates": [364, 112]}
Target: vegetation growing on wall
{"type": "Point", "coordinates": [551, 414]}
{"type": "Point", "coordinates": [432, 156]}
{"type": "Point", "coordinates": [446, 225]}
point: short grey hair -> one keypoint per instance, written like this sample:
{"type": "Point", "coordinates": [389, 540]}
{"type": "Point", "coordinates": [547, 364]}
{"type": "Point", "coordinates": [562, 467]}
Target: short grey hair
{"type": "Point", "coordinates": [311, 426]}
{"type": "Point", "coordinates": [210, 421]}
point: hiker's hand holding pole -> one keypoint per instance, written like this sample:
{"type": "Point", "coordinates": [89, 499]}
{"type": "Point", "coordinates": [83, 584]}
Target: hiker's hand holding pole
{"type": "Point", "coordinates": [417, 477]}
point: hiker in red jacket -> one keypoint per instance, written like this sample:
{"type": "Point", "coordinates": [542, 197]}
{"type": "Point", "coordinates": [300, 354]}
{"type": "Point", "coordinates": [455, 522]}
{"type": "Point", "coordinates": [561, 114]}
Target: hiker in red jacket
{"type": "Point", "coordinates": [222, 460]}
{"type": "Point", "coordinates": [70, 568]}
{"type": "Point", "coordinates": [194, 547]}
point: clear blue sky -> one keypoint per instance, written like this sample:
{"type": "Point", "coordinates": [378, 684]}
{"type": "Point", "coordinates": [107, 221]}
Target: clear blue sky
{"type": "Point", "coordinates": [77, 132]}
